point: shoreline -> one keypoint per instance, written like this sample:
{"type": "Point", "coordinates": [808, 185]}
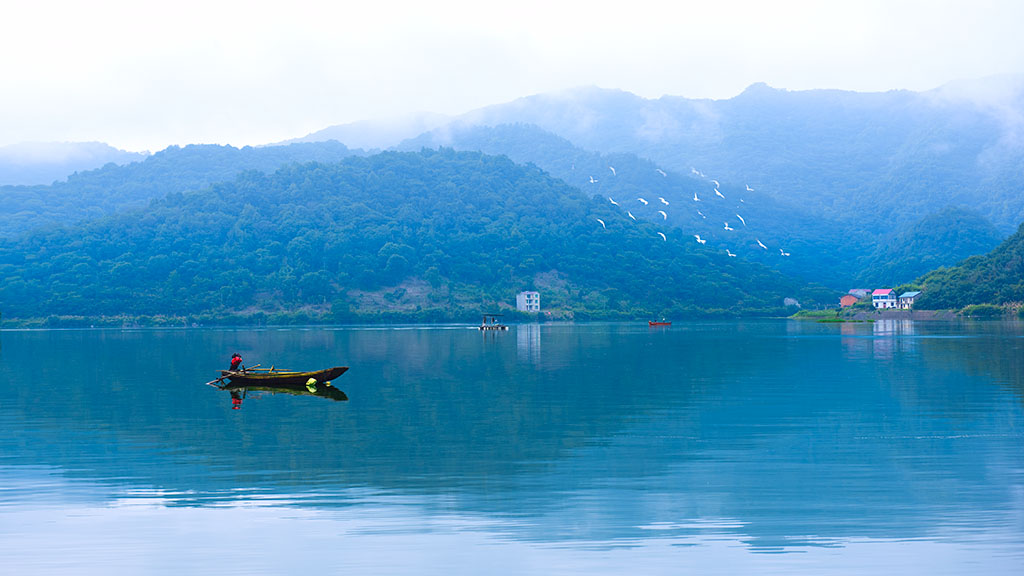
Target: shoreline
{"type": "Point", "coordinates": [916, 315]}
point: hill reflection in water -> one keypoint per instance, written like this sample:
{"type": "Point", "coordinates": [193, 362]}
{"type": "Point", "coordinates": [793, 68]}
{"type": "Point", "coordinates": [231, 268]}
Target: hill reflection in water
{"type": "Point", "coordinates": [780, 435]}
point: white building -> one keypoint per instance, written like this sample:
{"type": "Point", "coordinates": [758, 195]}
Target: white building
{"type": "Point", "coordinates": [883, 298]}
{"type": "Point", "coordinates": [528, 301]}
{"type": "Point", "coordinates": [906, 300]}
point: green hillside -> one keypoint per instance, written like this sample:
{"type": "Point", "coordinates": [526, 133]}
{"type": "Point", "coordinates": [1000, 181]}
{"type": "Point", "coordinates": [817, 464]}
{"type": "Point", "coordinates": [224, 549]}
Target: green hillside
{"type": "Point", "coordinates": [939, 239]}
{"type": "Point", "coordinates": [423, 236]}
{"type": "Point", "coordinates": [840, 253]}
{"type": "Point", "coordinates": [996, 278]}
{"type": "Point", "coordinates": [114, 188]}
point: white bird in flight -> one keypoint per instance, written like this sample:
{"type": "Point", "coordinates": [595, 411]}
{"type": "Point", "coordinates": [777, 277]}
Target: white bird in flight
{"type": "Point", "coordinates": [702, 214]}
{"type": "Point", "coordinates": [602, 223]}
{"type": "Point", "coordinates": [612, 201]}
{"type": "Point", "coordinates": [612, 168]}
{"type": "Point", "coordinates": [783, 253]}
{"type": "Point", "coordinates": [719, 194]}
{"type": "Point", "coordinates": [663, 236]}
{"type": "Point", "coordinates": [716, 182]}
{"type": "Point", "coordinates": [663, 201]}
{"type": "Point", "coordinates": [630, 214]}
{"type": "Point", "coordinates": [593, 180]}
{"type": "Point", "coordinates": [642, 200]}
{"type": "Point", "coordinates": [699, 239]}
{"type": "Point", "coordinates": [760, 244]}
{"type": "Point", "coordinates": [663, 215]}
{"type": "Point", "coordinates": [731, 255]}
{"type": "Point", "coordinates": [749, 189]}
{"type": "Point", "coordinates": [695, 199]}
{"type": "Point", "coordinates": [660, 171]}
{"type": "Point", "coordinates": [727, 226]}
{"type": "Point", "coordinates": [741, 219]}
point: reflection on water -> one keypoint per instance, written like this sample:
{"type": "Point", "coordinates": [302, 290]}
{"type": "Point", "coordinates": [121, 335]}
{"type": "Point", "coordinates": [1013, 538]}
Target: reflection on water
{"type": "Point", "coordinates": [528, 343]}
{"type": "Point", "coordinates": [859, 446]}
{"type": "Point", "coordinates": [891, 335]}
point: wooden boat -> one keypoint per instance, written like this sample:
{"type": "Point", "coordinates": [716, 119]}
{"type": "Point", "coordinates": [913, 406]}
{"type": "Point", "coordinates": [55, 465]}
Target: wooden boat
{"type": "Point", "coordinates": [656, 323]}
{"type": "Point", "coordinates": [271, 377]}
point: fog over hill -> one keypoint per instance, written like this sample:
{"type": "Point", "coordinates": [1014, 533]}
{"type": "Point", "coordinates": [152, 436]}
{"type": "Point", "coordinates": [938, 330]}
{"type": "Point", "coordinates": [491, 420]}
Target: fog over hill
{"type": "Point", "coordinates": [47, 162]}
{"type": "Point", "coordinates": [835, 152]}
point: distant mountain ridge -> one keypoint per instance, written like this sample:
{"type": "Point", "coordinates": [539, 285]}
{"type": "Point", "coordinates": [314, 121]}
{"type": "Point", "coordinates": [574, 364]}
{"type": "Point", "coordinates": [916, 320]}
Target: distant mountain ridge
{"type": "Point", "coordinates": [376, 134]}
{"type": "Point", "coordinates": [47, 162]}
{"type": "Point", "coordinates": [830, 150]}
{"type": "Point", "coordinates": [869, 167]}
{"type": "Point", "coordinates": [113, 189]}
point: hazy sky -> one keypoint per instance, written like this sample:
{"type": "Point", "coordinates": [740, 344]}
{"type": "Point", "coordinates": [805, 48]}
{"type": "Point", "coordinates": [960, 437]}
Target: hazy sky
{"type": "Point", "coordinates": [142, 75]}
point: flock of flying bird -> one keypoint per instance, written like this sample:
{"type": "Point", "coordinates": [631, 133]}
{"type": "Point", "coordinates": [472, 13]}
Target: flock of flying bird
{"type": "Point", "coordinates": [696, 198]}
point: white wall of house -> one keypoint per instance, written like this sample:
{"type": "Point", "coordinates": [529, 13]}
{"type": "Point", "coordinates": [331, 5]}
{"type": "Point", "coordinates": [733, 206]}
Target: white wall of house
{"type": "Point", "coordinates": [886, 301]}
{"type": "Point", "coordinates": [528, 301]}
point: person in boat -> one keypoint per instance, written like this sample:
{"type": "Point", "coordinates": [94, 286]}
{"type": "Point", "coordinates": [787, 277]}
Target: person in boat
{"type": "Point", "coordinates": [236, 361]}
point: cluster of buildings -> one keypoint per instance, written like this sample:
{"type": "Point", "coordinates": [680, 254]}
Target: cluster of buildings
{"type": "Point", "coordinates": [881, 298]}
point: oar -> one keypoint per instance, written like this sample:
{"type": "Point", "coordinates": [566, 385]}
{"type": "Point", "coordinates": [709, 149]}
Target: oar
{"type": "Point", "coordinates": [228, 375]}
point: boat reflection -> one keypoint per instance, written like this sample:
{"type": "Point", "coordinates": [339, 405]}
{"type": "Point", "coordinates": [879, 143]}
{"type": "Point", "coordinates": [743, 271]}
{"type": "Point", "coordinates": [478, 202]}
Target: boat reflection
{"type": "Point", "coordinates": [321, 389]}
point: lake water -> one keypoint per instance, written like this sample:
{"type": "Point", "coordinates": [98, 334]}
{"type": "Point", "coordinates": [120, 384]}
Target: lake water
{"type": "Point", "coordinates": [769, 447]}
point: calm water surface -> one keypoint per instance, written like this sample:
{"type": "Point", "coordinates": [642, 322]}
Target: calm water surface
{"type": "Point", "coordinates": [774, 447]}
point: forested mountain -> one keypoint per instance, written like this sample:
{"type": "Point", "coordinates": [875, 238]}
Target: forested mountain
{"type": "Point", "coordinates": [763, 229]}
{"type": "Point", "coordinates": [115, 188]}
{"type": "Point", "coordinates": [996, 278]}
{"type": "Point", "coordinates": [48, 162]}
{"type": "Point", "coordinates": [431, 235]}
{"type": "Point", "coordinates": [942, 238]}
{"type": "Point", "coordinates": [831, 187]}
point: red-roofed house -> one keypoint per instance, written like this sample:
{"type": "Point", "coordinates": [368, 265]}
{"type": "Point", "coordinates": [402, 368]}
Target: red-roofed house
{"type": "Point", "coordinates": [847, 300]}
{"type": "Point", "coordinates": [883, 298]}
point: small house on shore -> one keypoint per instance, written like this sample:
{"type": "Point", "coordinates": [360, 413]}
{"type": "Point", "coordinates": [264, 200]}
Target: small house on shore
{"type": "Point", "coordinates": [883, 298]}
{"type": "Point", "coordinates": [528, 301]}
{"type": "Point", "coordinates": [906, 300]}
{"type": "Point", "coordinates": [848, 300]}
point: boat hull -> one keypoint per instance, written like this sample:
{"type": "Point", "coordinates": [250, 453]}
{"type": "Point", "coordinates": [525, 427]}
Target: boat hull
{"type": "Point", "coordinates": [280, 379]}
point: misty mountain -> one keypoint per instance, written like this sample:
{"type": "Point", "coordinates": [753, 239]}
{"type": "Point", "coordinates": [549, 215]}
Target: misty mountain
{"type": "Point", "coordinates": [892, 157]}
{"type": "Point", "coordinates": [430, 236]}
{"type": "Point", "coordinates": [112, 188]}
{"type": "Point", "coordinates": [376, 134]}
{"type": "Point", "coordinates": [48, 162]}
{"type": "Point", "coordinates": [842, 176]}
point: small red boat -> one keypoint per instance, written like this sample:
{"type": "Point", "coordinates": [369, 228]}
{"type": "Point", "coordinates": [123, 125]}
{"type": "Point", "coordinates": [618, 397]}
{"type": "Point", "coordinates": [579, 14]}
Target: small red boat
{"type": "Point", "coordinates": [655, 323]}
